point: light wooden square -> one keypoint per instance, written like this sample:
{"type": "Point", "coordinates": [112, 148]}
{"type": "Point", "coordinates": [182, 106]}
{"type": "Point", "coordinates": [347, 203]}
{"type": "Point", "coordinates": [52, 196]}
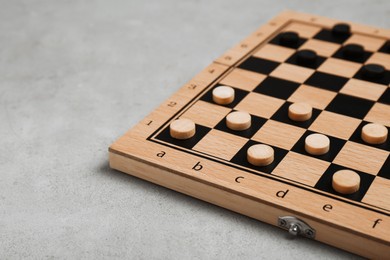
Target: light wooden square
{"type": "Point", "coordinates": [301, 168]}
{"type": "Point", "coordinates": [206, 114]}
{"type": "Point", "coordinates": [336, 125]}
{"type": "Point", "coordinates": [322, 48]}
{"type": "Point", "coordinates": [363, 89]}
{"type": "Point", "coordinates": [220, 144]}
{"type": "Point", "coordinates": [274, 52]}
{"type": "Point", "coordinates": [340, 67]}
{"type": "Point", "coordinates": [369, 43]}
{"type": "Point", "coordinates": [380, 58]}
{"type": "Point", "coordinates": [279, 134]}
{"type": "Point", "coordinates": [379, 113]}
{"type": "Point", "coordinates": [243, 79]}
{"type": "Point", "coordinates": [316, 97]}
{"type": "Point", "coordinates": [361, 157]}
{"type": "Point", "coordinates": [379, 193]}
{"type": "Point", "coordinates": [292, 72]}
{"type": "Point", "coordinates": [260, 105]}
{"type": "Point", "coordinates": [304, 30]}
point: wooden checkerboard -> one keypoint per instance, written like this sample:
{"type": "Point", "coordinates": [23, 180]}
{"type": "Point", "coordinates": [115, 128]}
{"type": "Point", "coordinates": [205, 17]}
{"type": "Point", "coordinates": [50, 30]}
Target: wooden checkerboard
{"type": "Point", "coordinates": [267, 78]}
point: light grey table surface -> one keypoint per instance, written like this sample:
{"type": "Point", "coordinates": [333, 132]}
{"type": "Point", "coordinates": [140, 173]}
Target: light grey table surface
{"type": "Point", "coordinates": [74, 76]}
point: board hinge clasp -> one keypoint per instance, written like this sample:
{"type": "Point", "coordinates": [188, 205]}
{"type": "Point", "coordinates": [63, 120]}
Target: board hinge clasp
{"type": "Point", "coordinates": [296, 227]}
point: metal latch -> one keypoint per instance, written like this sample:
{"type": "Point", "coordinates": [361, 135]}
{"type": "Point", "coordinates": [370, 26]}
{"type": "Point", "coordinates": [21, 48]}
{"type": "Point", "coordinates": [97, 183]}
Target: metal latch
{"type": "Point", "coordinates": [296, 227]}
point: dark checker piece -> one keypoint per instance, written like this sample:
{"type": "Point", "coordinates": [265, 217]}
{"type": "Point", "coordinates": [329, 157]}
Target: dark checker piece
{"type": "Point", "coordinates": [373, 71]}
{"type": "Point", "coordinates": [288, 39]}
{"type": "Point", "coordinates": [341, 30]}
{"type": "Point", "coordinates": [353, 50]}
{"type": "Point", "coordinates": [306, 58]}
{"type": "Point", "coordinates": [339, 33]}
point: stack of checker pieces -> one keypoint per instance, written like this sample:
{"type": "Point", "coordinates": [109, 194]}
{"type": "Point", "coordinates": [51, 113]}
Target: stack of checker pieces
{"type": "Point", "coordinates": [344, 100]}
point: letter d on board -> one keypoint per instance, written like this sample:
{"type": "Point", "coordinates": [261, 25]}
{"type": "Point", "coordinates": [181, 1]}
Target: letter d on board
{"type": "Point", "coordinates": [281, 193]}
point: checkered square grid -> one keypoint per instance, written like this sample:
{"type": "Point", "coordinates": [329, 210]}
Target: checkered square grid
{"type": "Point", "coordinates": [265, 88]}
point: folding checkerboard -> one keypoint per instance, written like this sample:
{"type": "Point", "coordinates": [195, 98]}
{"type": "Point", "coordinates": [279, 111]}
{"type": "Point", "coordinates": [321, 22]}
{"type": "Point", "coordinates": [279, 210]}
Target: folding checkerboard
{"type": "Point", "coordinates": [295, 191]}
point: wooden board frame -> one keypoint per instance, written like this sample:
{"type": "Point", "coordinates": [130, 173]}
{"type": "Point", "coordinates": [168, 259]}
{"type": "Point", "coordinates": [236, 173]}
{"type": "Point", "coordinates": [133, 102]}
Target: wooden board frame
{"type": "Point", "coordinates": [361, 230]}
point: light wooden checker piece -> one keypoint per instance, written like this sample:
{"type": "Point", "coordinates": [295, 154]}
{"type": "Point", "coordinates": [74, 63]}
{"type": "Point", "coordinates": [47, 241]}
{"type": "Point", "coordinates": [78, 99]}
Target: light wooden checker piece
{"type": "Point", "coordinates": [282, 166]}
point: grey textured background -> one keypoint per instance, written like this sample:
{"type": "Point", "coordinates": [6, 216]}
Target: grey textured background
{"type": "Point", "coordinates": [74, 76]}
